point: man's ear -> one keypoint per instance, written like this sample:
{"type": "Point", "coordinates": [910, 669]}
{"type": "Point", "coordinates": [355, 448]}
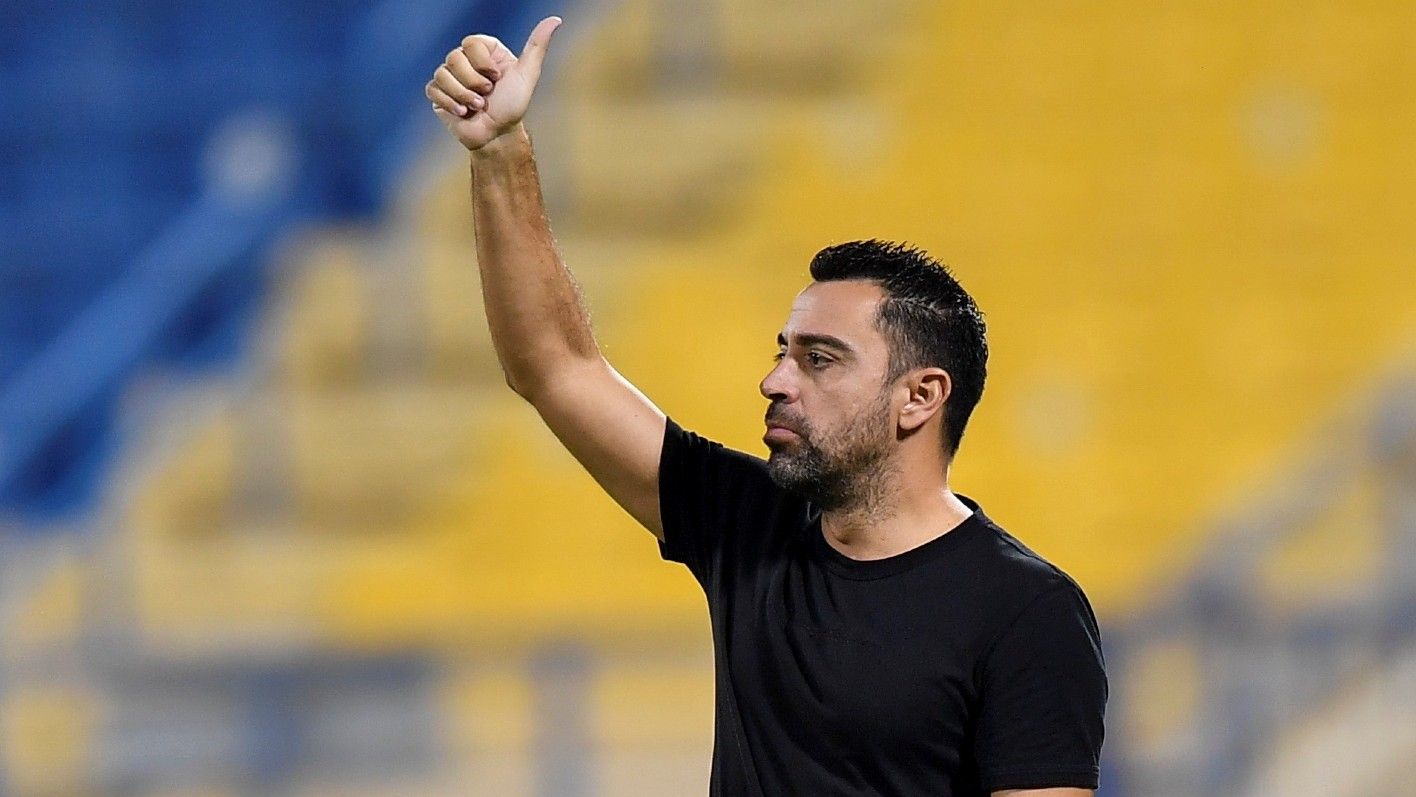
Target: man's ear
{"type": "Point", "coordinates": [928, 389]}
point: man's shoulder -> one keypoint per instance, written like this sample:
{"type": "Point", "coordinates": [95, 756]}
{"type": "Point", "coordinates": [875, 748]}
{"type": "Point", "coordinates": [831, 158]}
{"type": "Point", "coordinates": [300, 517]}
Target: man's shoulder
{"type": "Point", "coordinates": [1016, 573]}
{"type": "Point", "coordinates": [705, 457]}
{"type": "Point", "coordinates": [687, 442]}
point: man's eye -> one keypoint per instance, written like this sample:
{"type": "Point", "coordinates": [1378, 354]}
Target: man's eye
{"type": "Point", "coordinates": [817, 359]}
{"type": "Point", "coordinates": [776, 358]}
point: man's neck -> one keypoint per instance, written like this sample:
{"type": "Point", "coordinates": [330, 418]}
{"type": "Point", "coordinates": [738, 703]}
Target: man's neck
{"type": "Point", "coordinates": [893, 521]}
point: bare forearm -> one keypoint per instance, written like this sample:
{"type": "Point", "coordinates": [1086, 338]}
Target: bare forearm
{"type": "Point", "coordinates": [540, 329]}
{"type": "Point", "coordinates": [537, 319]}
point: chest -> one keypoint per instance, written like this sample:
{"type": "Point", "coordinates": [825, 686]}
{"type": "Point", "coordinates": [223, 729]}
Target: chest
{"type": "Point", "coordinates": [867, 668]}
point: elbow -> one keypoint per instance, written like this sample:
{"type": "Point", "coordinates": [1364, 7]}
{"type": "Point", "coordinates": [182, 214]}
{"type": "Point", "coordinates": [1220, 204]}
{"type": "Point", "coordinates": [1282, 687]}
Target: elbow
{"type": "Point", "coordinates": [532, 383]}
{"type": "Point", "coordinates": [515, 386]}
{"type": "Point", "coordinates": [526, 385]}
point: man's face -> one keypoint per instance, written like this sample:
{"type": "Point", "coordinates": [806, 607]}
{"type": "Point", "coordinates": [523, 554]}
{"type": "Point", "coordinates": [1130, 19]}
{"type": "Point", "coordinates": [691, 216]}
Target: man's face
{"type": "Point", "coordinates": [831, 424]}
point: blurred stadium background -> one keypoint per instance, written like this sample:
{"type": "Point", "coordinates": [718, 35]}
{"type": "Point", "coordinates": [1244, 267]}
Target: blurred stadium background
{"type": "Point", "coordinates": [273, 525]}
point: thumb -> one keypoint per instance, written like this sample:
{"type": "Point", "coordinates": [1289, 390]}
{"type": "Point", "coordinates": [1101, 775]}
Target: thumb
{"type": "Point", "coordinates": [535, 51]}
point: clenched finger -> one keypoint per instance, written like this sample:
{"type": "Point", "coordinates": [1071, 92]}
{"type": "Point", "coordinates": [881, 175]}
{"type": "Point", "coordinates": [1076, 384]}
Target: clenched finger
{"type": "Point", "coordinates": [479, 54]}
{"type": "Point", "coordinates": [443, 102]}
{"type": "Point", "coordinates": [452, 86]}
{"type": "Point", "coordinates": [461, 69]}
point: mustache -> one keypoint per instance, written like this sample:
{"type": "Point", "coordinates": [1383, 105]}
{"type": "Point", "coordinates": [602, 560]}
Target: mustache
{"type": "Point", "coordinates": [776, 416]}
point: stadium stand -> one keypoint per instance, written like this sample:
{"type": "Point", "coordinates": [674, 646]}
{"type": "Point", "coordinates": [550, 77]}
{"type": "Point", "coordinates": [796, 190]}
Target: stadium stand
{"type": "Point", "coordinates": [142, 202]}
{"type": "Point", "coordinates": [1295, 632]}
{"type": "Point", "coordinates": [352, 557]}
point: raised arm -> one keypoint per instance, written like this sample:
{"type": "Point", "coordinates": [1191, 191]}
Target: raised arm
{"type": "Point", "coordinates": [539, 326]}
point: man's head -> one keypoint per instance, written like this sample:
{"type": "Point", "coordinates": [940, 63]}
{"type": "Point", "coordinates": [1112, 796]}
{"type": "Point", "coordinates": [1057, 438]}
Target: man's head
{"type": "Point", "coordinates": [883, 349]}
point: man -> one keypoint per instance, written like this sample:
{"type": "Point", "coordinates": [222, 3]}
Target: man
{"type": "Point", "coordinates": [875, 633]}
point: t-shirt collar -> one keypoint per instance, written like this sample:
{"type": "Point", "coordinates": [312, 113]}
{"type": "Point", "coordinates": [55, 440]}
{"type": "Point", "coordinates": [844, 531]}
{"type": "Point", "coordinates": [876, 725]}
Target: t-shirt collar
{"type": "Point", "coordinates": [867, 569]}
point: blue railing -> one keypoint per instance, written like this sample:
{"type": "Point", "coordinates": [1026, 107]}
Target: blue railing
{"type": "Point", "coordinates": [154, 249]}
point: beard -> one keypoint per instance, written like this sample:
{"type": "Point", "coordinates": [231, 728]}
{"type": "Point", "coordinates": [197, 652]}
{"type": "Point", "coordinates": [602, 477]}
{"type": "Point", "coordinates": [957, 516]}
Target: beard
{"type": "Point", "coordinates": [834, 469]}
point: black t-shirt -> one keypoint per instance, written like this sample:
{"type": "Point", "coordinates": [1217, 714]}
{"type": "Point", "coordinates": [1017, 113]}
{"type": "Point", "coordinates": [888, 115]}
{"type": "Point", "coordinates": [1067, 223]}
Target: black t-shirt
{"type": "Point", "coordinates": [962, 666]}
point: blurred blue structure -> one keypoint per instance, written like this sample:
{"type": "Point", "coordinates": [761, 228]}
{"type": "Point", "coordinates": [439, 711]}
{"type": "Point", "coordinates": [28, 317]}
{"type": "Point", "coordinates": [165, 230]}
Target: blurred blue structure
{"type": "Point", "coordinates": [150, 155]}
{"type": "Point", "coordinates": [1255, 665]}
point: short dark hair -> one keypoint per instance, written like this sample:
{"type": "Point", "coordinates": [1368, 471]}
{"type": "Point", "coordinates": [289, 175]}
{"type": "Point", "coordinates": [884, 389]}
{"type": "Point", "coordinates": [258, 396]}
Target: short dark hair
{"type": "Point", "coordinates": [926, 316]}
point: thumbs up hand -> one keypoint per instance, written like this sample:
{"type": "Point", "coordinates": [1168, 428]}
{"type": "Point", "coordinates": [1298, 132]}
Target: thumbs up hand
{"type": "Point", "coordinates": [482, 90]}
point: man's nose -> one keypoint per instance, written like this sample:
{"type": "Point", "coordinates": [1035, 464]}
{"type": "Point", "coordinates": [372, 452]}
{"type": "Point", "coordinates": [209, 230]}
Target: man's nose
{"type": "Point", "coordinates": [776, 385]}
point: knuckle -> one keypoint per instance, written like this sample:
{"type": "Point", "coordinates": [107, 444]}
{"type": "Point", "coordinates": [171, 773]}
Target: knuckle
{"type": "Point", "coordinates": [448, 84]}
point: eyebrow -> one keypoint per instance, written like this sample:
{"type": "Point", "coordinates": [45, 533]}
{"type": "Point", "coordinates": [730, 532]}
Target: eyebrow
{"type": "Point", "coordinates": [817, 339]}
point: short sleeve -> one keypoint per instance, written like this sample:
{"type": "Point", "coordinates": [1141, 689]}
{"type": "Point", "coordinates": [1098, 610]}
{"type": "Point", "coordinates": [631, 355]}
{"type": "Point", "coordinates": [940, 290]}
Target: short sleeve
{"type": "Point", "coordinates": [706, 493]}
{"type": "Point", "coordinates": [1043, 697]}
